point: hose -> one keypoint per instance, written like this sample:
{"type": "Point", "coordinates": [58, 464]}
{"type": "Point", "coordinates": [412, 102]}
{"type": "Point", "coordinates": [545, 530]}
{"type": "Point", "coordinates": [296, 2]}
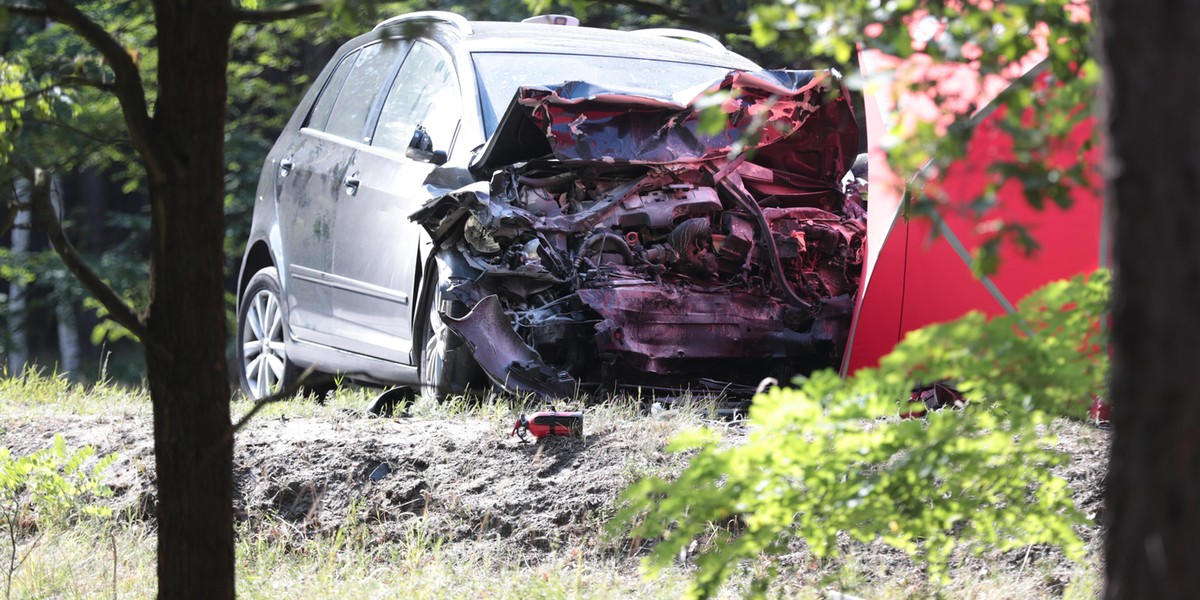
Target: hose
{"type": "Point", "coordinates": [768, 241]}
{"type": "Point", "coordinates": [622, 245]}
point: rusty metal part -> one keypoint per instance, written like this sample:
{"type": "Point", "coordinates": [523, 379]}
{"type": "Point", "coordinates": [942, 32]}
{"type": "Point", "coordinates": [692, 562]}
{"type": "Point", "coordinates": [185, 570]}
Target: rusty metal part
{"type": "Point", "coordinates": [654, 329]}
{"type": "Point", "coordinates": [733, 185]}
{"type": "Point", "coordinates": [506, 359]}
{"type": "Point", "coordinates": [662, 208]}
{"type": "Point", "coordinates": [607, 240]}
{"type": "Point", "coordinates": [737, 246]}
{"type": "Point", "coordinates": [692, 239]}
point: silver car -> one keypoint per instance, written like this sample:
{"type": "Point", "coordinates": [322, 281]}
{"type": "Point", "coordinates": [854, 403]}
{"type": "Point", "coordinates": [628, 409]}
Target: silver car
{"type": "Point", "coordinates": [553, 209]}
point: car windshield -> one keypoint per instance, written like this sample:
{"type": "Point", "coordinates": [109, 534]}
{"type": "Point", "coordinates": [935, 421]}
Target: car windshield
{"type": "Point", "coordinates": [501, 73]}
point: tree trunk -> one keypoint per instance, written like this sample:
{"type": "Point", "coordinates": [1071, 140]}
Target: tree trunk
{"type": "Point", "coordinates": [64, 306]}
{"type": "Point", "coordinates": [18, 331]}
{"type": "Point", "coordinates": [69, 351]}
{"type": "Point", "coordinates": [188, 383]}
{"type": "Point", "coordinates": [1153, 171]}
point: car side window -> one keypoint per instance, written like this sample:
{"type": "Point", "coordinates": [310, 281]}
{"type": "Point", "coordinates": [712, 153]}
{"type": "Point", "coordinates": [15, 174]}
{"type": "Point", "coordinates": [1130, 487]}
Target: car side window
{"type": "Point", "coordinates": [424, 95]}
{"type": "Point", "coordinates": [349, 112]}
{"type": "Point", "coordinates": [324, 105]}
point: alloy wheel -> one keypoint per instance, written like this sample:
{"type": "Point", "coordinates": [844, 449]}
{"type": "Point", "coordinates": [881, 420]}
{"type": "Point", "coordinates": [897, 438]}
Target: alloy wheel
{"type": "Point", "coordinates": [263, 352]}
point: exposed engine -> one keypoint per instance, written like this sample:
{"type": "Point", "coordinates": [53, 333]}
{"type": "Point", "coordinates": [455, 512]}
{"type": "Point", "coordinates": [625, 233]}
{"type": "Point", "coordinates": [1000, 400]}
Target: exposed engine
{"type": "Point", "coordinates": [614, 273]}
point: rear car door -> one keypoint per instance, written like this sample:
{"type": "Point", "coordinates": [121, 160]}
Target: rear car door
{"type": "Point", "coordinates": [312, 181]}
{"type": "Point", "coordinates": [376, 245]}
{"type": "Point", "coordinates": [306, 220]}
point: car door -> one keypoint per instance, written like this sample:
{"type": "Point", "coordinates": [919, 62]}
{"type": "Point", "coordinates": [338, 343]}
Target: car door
{"type": "Point", "coordinates": [376, 244]}
{"type": "Point", "coordinates": [305, 218]}
{"type": "Point", "coordinates": [313, 179]}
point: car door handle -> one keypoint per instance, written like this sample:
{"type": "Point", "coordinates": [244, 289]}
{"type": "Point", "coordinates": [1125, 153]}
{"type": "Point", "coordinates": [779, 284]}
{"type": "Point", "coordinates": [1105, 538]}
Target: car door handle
{"type": "Point", "coordinates": [285, 166]}
{"type": "Point", "coordinates": [351, 182]}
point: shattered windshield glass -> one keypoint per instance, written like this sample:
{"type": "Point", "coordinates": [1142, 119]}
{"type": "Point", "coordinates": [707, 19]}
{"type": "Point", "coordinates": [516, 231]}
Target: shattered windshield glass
{"type": "Point", "coordinates": [501, 73]}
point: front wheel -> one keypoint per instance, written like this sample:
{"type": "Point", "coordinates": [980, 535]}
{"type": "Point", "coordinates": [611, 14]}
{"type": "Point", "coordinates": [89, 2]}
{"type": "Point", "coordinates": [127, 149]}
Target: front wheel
{"type": "Point", "coordinates": [262, 352]}
{"type": "Point", "coordinates": [446, 366]}
{"type": "Point", "coordinates": [435, 340]}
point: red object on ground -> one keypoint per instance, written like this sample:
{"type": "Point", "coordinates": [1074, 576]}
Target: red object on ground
{"type": "Point", "coordinates": [542, 424]}
{"type": "Point", "coordinates": [935, 396]}
{"type": "Point", "coordinates": [1098, 412]}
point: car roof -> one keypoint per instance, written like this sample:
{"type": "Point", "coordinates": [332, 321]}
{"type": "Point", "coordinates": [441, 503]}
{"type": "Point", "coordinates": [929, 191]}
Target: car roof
{"type": "Point", "coordinates": [490, 36]}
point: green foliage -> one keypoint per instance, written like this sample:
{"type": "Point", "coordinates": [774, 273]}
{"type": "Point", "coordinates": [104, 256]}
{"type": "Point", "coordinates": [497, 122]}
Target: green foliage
{"type": "Point", "coordinates": [71, 122]}
{"type": "Point", "coordinates": [54, 486]}
{"type": "Point", "coordinates": [49, 490]}
{"type": "Point", "coordinates": [1051, 355]}
{"type": "Point", "coordinates": [988, 42]}
{"type": "Point", "coordinates": [12, 101]}
{"type": "Point", "coordinates": [833, 455]}
{"type": "Point", "coordinates": [985, 42]}
{"type": "Point", "coordinates": [57, 111]}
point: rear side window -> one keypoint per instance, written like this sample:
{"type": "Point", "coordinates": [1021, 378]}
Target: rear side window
{"type": "Point", "coordinates": [329, 95]}
{"type": "Point", "coordinates": [425, 95]}
{"type": "Point", "coordinates": [353, 104]}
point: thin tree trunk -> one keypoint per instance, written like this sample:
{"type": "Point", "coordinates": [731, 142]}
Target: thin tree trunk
{"type": "Point", "coordinates": [69, 351]}
{"type": "Point", "coordinates": [188, 383]}
{"type": "Point", "coordinates": [18, 331]}
{"type": "Point", "coordinates": [1153, 488]}
{"type": "Point", "coordinates": [64, 306]}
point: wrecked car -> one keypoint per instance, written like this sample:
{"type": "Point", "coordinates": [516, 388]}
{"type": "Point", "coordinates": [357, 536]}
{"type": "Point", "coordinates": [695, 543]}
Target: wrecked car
{"type": "Point", "coordinates": [545, 209]}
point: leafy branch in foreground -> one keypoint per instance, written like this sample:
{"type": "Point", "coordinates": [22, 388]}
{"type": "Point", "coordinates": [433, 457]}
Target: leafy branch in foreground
{"type": "Point", "coordinates": [954, 58]}
{"type": "Point", "coordinates": [833, 455]}
{"type": "Point", "coordinates": [47, 489]}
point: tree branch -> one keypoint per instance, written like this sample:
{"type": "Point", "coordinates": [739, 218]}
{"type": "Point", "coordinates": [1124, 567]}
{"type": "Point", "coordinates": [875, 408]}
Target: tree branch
{"type": "Point", "coordinates": [708, 24]}
{"type": "Point", "coordinates": [283, 394]}
{"type": "Point", "coordinates": [81, 133]}
{"type": "Point", "coordinates": [291, 10]}
{"type": "Point", "coordinates": [47, 220]}
{"type": "Point", "coordinates": [128, 84]}
{"type": "Point", "coordinates": [70, 82]}
{"type": "Point", "coordinates": [11, 220]}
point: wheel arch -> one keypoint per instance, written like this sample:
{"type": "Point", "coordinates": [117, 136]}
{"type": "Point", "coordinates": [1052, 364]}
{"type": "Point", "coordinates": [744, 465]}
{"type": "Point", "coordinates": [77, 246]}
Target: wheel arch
{"type": "Point", "coordinates": [258, 257]}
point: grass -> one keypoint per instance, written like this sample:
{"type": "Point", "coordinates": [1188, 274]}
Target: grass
{"type": "Point", "coordinates": [274, 562]}
{"type": "Point", "coordinates": [114, 557]}
{"type": "Point", "coordinates": [36, 392]}
{"type": "Point", "coordinates": [353, 566]}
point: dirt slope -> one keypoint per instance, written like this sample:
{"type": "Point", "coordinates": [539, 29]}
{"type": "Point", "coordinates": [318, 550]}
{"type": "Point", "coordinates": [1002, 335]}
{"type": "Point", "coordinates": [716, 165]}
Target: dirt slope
{"type": "Point", "coordinates": [471, 480]}
{"type": "Point", "coordinates": [478, 488]}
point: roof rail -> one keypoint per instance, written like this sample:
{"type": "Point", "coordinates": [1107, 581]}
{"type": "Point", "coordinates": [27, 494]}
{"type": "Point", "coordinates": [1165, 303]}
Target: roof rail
{"type": "Point", "coordinates": [684, 34]}
{"type": "Point", "coordinates": [567, 20]}
{"type": "Point", "coordinates": [456, 21]}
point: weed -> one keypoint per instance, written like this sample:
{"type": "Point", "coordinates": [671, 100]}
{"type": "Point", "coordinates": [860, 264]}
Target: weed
{"type": "Point", "coordinates": [36, 393]}
{"type": "Point", "coordinates": [47, 491]}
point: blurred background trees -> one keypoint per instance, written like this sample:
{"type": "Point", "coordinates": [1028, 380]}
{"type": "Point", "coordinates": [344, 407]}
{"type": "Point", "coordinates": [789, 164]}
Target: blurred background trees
{"type": "Point", "coordinates": [71, 125]}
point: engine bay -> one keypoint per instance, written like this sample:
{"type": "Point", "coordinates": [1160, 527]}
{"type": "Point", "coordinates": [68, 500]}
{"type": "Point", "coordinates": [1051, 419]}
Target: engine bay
{"type": "Point", "coordinates": [645, 251]}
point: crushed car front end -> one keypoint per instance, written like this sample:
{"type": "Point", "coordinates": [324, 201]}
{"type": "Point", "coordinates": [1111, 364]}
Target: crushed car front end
{"type": "Point", "coordinates": [619, 238]}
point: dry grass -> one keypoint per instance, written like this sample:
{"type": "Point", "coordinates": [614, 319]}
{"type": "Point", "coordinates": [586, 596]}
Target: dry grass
{"type": "Point", "coordinates": [273, 564]}
{"type": "Point", "coordinates": [78, 563]}
{"type": "Point", "coordinates": [355, 560]}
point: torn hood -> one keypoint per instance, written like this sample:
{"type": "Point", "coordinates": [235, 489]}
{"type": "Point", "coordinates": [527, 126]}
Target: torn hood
{"type": "Point", "coordinates": [582, 122]}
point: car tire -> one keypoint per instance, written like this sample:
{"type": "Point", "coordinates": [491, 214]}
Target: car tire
{"type": "Point", "coordinates": [445, 367]}
{"type": "Point", "coordinates": [263, 362]}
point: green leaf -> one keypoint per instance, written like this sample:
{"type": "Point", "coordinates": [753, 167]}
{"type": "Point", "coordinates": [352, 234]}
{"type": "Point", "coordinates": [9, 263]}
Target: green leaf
{"type": "Point", "coordinates": [831, 455]}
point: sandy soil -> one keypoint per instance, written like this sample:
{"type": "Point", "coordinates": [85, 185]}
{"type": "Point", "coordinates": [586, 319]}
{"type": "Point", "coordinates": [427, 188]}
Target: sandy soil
{"type": "Point", "coordinates": [477, 487]}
